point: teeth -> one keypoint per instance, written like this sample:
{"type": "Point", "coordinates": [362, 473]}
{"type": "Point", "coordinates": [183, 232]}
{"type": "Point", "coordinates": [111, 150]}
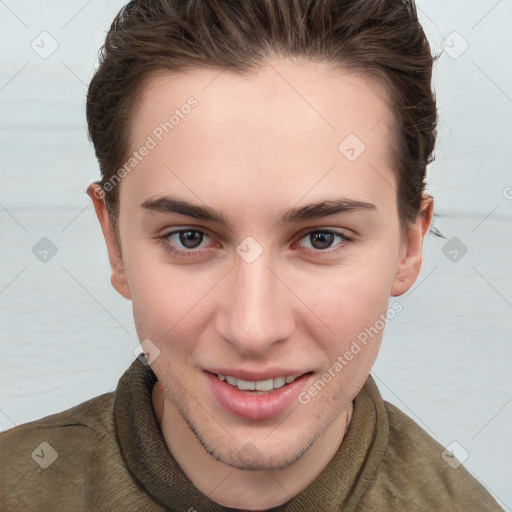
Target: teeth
{"type": "Point", "coordinates": [279, 382]}
{"type": "Point", "coordinates": [231, 380]}
{"type": "Point", "coordinates": [244, 385]}
{"type": "Point", "coordinates": [262, 385]}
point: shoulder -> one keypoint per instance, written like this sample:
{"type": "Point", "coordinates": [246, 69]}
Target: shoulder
{"type": "Point", "coordinates": [415, 476]}
{"type": "Point", "coordinates": [83, 421]}
{"type": "Point", "coordinates": [59, 459]}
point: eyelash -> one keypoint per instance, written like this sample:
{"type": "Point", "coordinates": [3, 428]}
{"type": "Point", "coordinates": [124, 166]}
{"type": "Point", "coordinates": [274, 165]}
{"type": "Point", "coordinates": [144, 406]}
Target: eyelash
{"type": "Point", "coordinates": [344, 240]}
{"type": "Point", "coordinates": [164, 240]}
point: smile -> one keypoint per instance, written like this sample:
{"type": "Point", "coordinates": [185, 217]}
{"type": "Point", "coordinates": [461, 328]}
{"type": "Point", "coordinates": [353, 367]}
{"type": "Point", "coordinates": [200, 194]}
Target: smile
{"type": "Point", "coordinates": [256, 399]}
{"type": "Point", "coordinates": [261, 385]}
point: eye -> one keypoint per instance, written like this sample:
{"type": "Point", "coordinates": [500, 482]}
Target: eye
{"type": "Point", "coordinates": [185, 241]}
{"type": "Point", "coordinates": [189, 239]}
{"type": "Point", "coordinates": [323, 239]}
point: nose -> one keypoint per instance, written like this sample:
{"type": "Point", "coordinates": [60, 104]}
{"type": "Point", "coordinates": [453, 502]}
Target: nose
{"type": "Point", "coordinates": [256, 309]}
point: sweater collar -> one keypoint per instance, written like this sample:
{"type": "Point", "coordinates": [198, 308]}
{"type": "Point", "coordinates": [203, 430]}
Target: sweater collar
{"type": "Point", "coordinates": [340, 486]}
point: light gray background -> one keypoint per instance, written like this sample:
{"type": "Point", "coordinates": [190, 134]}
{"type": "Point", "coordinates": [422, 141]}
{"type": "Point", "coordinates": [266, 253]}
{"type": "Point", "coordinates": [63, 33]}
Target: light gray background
{"type": "Point", "coordinates": [67, 336]}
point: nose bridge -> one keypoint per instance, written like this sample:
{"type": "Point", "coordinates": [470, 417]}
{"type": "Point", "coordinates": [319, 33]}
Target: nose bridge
{"type": "Point", "coordinates": [255, 314]}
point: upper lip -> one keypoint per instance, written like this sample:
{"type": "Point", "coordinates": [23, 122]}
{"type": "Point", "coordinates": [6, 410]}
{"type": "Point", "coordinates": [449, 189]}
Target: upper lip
{"type": "Point", "coordinates": [253, 376]}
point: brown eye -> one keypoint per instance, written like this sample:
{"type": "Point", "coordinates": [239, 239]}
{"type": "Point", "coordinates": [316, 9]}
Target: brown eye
{"type": "Point", "coordinates": [186, 240]}
{"type": "Point", "coordinates": [321, 240]}
{"type": "Point", "coordinates": [191, 239]}
{"type": "Point", "coordinates": [325, 239]}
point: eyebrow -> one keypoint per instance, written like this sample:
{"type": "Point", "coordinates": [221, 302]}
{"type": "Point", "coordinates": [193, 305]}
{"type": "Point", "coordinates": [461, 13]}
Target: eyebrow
{"type": "Point", "coordinates": [311, 211]}
{"type": "Point", "coordinates": [327, 208]}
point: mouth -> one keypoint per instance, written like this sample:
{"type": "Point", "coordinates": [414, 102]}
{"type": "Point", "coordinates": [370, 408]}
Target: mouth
{"type": "Point", "coordinates": [258, 387]}
{"type": "Point", "coordinates": [256, 399]}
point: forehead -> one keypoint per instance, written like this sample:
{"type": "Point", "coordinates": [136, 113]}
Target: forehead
{"type": "Point", "coordinates": [285, 126]}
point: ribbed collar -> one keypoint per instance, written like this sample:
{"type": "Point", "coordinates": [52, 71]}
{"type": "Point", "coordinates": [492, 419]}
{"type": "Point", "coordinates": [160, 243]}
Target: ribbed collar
{"type": "Point", "coordinates": [340, 486]}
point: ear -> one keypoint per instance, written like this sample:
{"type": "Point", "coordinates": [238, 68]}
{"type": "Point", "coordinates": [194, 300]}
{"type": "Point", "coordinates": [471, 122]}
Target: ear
{"type": "Point", "coordinates": [118, 277]}
{"type": "Point", "coordinates": [410, 264]}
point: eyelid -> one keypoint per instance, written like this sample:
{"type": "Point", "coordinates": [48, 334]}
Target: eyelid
{"type": "Point", "coordinates": [347, 233]}
{"type": "Point", "coordinates": [184, 227]}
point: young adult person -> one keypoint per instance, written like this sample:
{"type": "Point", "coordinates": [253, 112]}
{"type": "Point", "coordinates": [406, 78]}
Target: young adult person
{"type": "Point", "coordinates": [262, 200]}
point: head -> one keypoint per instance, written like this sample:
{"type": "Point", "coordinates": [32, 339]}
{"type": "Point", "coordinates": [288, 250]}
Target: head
{"type": "Point", "coordinates": [262, 195]}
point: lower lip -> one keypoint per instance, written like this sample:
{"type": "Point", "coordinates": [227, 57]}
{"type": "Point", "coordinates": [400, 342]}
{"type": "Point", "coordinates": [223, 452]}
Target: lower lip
{"type": "Point", "coordinates": [249, 406]}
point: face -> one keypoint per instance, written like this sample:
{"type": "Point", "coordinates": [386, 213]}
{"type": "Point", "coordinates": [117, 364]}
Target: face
{"type": "Point", "coordinates": [259, 242]}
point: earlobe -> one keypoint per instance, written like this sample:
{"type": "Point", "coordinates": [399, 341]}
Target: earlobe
{"type": "Point", "coordinates": [118, 276]}
{"type": "Point", "coordinates": [410, 265]}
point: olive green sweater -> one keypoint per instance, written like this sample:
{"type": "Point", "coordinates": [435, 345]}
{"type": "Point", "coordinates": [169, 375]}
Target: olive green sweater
{"type": "Point", "coordinates": [108, 454]}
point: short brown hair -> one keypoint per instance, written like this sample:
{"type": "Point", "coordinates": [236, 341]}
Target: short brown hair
{"type": "Point", "coordinates": [382, 38]}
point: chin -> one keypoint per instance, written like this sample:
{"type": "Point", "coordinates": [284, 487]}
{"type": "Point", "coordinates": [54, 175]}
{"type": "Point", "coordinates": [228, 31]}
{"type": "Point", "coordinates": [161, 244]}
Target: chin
{"type": "Point", "coordinates": [248, 458]}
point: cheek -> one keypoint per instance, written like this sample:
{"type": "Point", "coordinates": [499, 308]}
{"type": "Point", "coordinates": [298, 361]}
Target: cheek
{"type": "Point", "coordinates": [168, 303]}
{"type": "Point", "coordinates": [355, 312]}
{"type": "Point", "coordinates": [352, 301]}
{"type": "Point", "coordinates": [163, 304]}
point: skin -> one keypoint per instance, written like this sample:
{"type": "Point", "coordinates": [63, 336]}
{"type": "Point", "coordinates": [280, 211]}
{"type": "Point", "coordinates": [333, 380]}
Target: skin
{"type": "Point", "coordinates": [252, 149]}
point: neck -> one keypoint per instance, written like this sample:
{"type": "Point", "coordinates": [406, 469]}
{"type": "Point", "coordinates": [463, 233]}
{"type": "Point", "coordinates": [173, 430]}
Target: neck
{"type": "Point", "coordinates": [235, 488]}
